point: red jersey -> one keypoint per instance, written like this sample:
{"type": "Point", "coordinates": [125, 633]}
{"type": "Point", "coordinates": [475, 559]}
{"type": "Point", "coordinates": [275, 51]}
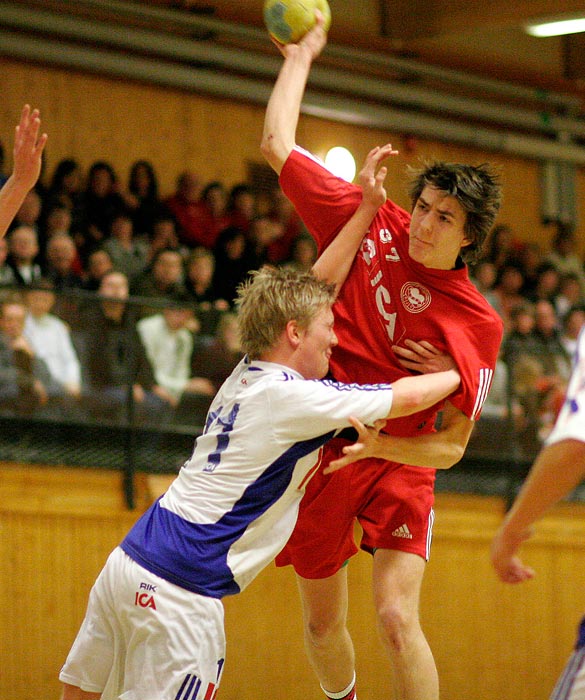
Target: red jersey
{"type": "Point", "coordinates": [388, 297]}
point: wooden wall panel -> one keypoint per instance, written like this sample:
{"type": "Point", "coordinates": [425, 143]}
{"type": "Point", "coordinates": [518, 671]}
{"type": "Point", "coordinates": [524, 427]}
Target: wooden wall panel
{"type": "Point", "coordinates": [92, 117]}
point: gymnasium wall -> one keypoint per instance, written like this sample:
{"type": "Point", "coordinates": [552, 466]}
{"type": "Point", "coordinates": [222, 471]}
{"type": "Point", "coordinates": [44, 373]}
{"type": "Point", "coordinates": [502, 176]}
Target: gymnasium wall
{"type": "Point", "coordinates": [91, 117]}
{"type": "Point", "coordinates": [491, 641]}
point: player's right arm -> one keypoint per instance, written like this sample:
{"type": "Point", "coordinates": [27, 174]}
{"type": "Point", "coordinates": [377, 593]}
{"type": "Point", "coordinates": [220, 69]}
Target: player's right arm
{"type": "Point", "coordinates": [28, 150]}
{"type": "Point", "coordinates": [284, 105]}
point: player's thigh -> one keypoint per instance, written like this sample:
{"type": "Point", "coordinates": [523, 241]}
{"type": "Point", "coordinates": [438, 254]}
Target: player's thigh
{"type": "Point", "coordinates": [397, 580]}
{"type": "Point", "coordinates": [175, 642]}
{"type": "Point", "coordinates": [324, 600]}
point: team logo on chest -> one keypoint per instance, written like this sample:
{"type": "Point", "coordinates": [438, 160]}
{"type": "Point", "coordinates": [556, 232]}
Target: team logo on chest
{"type": "Point", "coordinates": [415, 297]}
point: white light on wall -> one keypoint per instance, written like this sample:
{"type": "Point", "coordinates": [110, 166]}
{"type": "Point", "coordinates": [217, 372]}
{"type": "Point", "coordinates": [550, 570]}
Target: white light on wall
{"type": "Point", "coordinates": [556, 26]}
{"type": "Point", "coordinates": [340, 162]}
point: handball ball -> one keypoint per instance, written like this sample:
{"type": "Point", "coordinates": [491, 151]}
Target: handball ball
{"type": "Point", "coordinates": [289, 20]}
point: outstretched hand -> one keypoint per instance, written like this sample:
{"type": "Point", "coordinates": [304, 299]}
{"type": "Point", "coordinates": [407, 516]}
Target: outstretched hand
{"type": "Point", "coordinates": [363, 447]}
{"type": "Point", "coordinates": [314, 40]}
{"type": "Point", "coordinates": [372, 179]}
{"type": "Point", "coordinates": [423, 357]}
{"type": "Point", "coordinates": [28, 148]}
{"type": "Point", "coordinates": [506, 562]}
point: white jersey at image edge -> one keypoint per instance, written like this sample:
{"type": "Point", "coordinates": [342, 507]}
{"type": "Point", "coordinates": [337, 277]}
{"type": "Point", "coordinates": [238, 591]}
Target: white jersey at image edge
{"type": "Point", "coordinates": [235, 502]}
{"type": "Point", "coordinates": [570, 423]}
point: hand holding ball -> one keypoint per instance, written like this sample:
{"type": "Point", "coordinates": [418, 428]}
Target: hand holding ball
{"type": "Point", "coordinates": [288, 21]}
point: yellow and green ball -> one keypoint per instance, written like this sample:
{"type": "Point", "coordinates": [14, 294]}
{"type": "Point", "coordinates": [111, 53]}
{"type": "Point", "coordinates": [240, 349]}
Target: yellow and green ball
{"type": "Point", "coordinates": [289, 20]}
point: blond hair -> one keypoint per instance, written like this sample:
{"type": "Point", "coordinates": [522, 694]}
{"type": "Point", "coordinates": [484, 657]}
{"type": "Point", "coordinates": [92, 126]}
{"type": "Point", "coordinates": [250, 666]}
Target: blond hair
{"type": "Point", "coordinates": [272, 297]}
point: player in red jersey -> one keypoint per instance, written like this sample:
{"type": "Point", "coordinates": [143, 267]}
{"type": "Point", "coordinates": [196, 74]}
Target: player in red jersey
{"type": "Point", "coordinates": [407, 300]}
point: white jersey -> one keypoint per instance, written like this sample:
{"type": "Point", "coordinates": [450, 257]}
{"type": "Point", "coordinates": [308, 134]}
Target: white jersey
{"type": "Point", "coordinates": [570, 423]}
{"type": "Point", "coordinates": [234, 504]}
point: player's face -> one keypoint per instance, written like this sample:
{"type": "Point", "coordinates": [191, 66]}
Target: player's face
{"type": "Point", "coordinates": [317, 343]}
{"type": "Point", "coordinates": [437, 231]}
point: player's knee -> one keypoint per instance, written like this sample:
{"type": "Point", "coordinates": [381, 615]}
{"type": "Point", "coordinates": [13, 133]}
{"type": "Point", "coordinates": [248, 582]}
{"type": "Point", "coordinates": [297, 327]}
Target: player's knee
{"type": "Point", "coordinates": [397, 626]}
{"type": "Point", "coordinates": [321, 630]}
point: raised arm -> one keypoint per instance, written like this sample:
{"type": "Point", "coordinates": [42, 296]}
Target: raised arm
{"type": "Point", "coordinates": [336, 260]}
{"type": "Point", "coordinates": [284, 105]}
{"type": "Point", "coordinates": [28, 151]}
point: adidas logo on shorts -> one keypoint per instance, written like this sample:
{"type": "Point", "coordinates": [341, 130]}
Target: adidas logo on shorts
{"type": "Point", "coordinates": [402, 531]}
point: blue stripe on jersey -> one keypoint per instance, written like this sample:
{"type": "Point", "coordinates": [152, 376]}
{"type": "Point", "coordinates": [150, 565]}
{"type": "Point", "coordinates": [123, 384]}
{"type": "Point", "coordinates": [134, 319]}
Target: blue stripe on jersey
{"type": "Point", "coordinates": [194, 555]}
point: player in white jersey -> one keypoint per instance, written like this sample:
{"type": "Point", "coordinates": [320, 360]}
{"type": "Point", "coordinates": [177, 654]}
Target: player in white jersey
{"type": "Point", "coordinates": [558, 469]}
{"type": "Point", "coordinates": [154, 625]}
{"type": "Point", "coordinates": [27, 155]}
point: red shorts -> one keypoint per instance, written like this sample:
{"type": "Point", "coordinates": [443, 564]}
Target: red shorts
{"type": "Point", "coordinates": [393, 504]}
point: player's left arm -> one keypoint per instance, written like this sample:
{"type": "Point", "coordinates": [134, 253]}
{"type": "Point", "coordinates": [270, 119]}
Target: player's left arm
{"type": "Point", "coordinates": [336, 260]}
{"type": "Point", "coordinates": [439, 450]}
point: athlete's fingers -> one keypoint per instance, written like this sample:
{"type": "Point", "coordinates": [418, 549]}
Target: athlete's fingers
{"type": "Point", "coordinates": [404, 353]}
{"type": "Point", "coordinates": [351, 455]}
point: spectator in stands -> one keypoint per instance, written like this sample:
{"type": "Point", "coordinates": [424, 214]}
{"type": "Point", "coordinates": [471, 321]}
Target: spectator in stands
{"type": "Point", "coordinates": [185, 206]}
{"type": "Point", "coordinates": [507, 291]}
{"type": "Point", "coordinates": [564, 256]}
{"type": "Point", "coordinates": [7, 276]}
{"type": "Point", "coordinates": [118, 380]}
{"type": "Point", "coordinates": [520, 339]}
{"type": "Point", "coordinates": [164, 235]}
{"type": "Point", "coordinates": [102, 202]}
{"type": "Point", "coordinates": [65, 190]}
{"type": "Point", "coordinates": [569, 295]}
{"type": "Point", "coordinates": [503, 248]}
{"type": "Point", "coordinates": [216, 357]}
{"type": "Point", "coordinates": [572, 323]}
{"type": "Point", "coordinates": [163, 278]}
{"type": "Point", "coordinates": [23, 244]}
{"type": "Point", "coordinates": [168, 340]}
{"type": "Point", "coordinates": [50, 338]}
{"type": "Point", "coordinates": [283, 212]}
{"type": "Point", "coordinates": [142, 198]}
{"type": "Point", "coordinates": [58, 222]}
{"type": "Point", "coordinates": [98, 263]}
{"type": "Point", "coordinates": [547, 283]}
{"type": "Point", "coordinates": [61, 262]}
{"type": "Point", "coordinates": [241, 206]}
{"type": "Point", "coordinates": [128, 254]}
{"type": "Point", "coordinates": [232, 263]}
{"type": "Point", "coordinates": [484, 278]}
{"type": "Point", "coordinates": [199, 272]}
{"type": "Point", "coordinates": [213, 210]}
{"type": "Point", "coordinates": [25, 380]}
{"type": "Point", "coordinates": [550, 351]}
{"type": "Point", "coordinates": [530, 259]}
{"type": "Point", "coordinates": [263, 233]}
{"type": "Point", "coordinates": [29, 212]}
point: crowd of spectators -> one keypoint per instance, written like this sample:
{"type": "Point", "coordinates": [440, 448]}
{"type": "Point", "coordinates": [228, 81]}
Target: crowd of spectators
{"type": "Point", "coordinates": [117, 303]}
{"type": "Point", "coordinates": [163, 342]}
{"type": "Point", "coordinates": [539, 292]}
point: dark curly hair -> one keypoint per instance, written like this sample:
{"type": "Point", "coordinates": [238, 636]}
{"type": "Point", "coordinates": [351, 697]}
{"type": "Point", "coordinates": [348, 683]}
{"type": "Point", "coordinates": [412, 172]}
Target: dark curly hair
{"type": "Point", "coordinates": [476, 188]}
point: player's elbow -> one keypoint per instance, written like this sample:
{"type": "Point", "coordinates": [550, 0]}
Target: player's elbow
{"type": "Point", "coordinates": [449, 456]}
{"type": "Point", "coordinates": [408, 401]}
{"type": "Point", "coordinates": [274, 150]}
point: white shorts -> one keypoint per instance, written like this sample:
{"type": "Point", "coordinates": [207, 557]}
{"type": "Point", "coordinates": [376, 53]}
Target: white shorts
{"type": "Point", "coordinates": [144, 638]}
